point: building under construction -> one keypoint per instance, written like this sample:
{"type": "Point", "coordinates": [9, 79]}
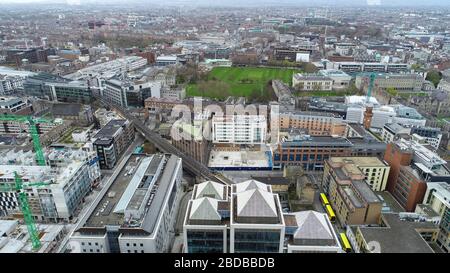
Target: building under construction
{"type": "Point", "coordinates": [61, 184]}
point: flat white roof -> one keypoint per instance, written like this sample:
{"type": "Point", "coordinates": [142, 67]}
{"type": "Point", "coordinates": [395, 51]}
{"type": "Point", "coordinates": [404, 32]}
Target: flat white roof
{"type": "Point", "coordinates": [254, 159]}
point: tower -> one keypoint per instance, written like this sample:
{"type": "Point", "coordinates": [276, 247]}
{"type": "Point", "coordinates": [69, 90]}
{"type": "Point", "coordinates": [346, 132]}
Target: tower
{"type": "Point", "coordinates": [368, 114]}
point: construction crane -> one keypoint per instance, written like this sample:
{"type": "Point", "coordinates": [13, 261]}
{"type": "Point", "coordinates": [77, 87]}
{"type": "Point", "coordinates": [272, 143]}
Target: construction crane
{"type": "Point", "coordinates": [19, 187]}
{"type": "Point", "coordinates": [372, 76]}
{"type": "Point", "coordinates": [40, 159]}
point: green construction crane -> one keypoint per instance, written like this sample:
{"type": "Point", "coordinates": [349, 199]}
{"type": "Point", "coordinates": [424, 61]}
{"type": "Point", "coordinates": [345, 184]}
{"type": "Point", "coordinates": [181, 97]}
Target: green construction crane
{"type": "Point", "coordinates": [372, 76]}
{"type": "Point", "coordinates": [40, 159]}
{"type": "Point", "coordinates": [19, 185]}
{"type": "Point", "coordinates": [25, 207]}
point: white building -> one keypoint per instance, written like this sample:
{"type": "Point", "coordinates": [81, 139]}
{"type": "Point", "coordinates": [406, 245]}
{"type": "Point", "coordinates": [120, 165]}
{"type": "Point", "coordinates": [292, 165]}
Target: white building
{"type": "Point", "coordinates": [136, 210]}
{"type": "Point", "coordinates": [129, 93]}
{"type": "Point", "coordinates": [312, 82]}
{"type": "Point", "coordinates": [382, 115]}
{"type": "Point", "coordinates": [109, 69]}
{"type": "Point", "coordinates": [437, 197]}
{"type": "Point", "coordinates": [14, 237]}
{"type": "Point", "coordinates": [104, 116]}
{"type": "Point", "coordinates": [392, 130]}
{"type": "Point", "coordinates": [12, 105]}
{"type": "Point", "coordinates": [166, 60]}
{"type": "Point", "coordinates": [10, 84]}
{"type": "Point", "coordinates": [256, 221]}
{"type": "Point", "coordinates": [428, 163]}
{"type": "Point", "coordinates": [239, 129]}
{"type": "Point", "coordinates": [207, 215]}
{"type": "Point", "coordinates": [68, 176]}
{"type": "Point", "coordinates": [340, 79]}
{"type": "Point", "coordinates": [345, 49]}
{"type": "Point", "coordinates": [310, 232]}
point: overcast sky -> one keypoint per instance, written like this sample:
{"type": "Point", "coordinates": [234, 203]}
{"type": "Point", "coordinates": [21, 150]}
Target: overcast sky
{"type": "Point", "coordinates": [255, 2]}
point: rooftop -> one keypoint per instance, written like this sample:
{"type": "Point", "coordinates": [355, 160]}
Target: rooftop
{"type": "Point", "coordinates": [398, 236]}
{"type": "Point", "coordinates": [241, 159]}
{"type": "Point", "coordinates": [311, 228]}
{"type": "Point", "coordinates": [110, 130]}
{"type": "Point", "coordinates": [135, 197]}
{"type": "Point", "coordinates": [316, 141]}
{"type": "Point", "coordinates": [360, 161]}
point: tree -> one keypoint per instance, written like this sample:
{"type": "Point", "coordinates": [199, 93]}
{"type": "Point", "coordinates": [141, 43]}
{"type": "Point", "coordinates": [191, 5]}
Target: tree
{"type": "Point", "coordinates": [293, 172]}
{"type": "Point", "coordinates": [434, 76]}
{"type": "Point", "coordinates": [392, 92]}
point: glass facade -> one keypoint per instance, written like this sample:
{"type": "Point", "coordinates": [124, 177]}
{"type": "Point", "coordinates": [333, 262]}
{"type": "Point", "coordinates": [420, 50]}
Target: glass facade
{"type": "Point", "coordinates": [256, 241]}
{"type": "Point", "coordinates": [205, 241]}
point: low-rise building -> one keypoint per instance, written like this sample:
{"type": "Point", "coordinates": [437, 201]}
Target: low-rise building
{"type": "Point", "coordinates": [310, 232]}
{"type": "Point", "coordinates": [79, 114]}
{"type": "Point", "coordinates": [136, 210]}
{"type": "Point", "coordinates": [310, 152]}
{"type": "Point", "coordinates": [155, 105]}
{"type": "Point", "coordinates": [340, 79]}
{"type": "Point", "coordinates": [376, 171]}
{"type": "Point", "coordinates": [438, 198]}
{"type": "Point", "coordinates": [15, 106]}
{"type": "Point", "coordinates": [400, 82]}
{"type": "Point", "coordinates": [312, 82]}
{"type": "Point", "coordinates": [166, 60]}
{"type": "Point", "coordinates": [14, 237]}
{"type": "Point", "coordinates": [352, 199]}
{"type": "Point", "coordinates": [395, 234]}
{"type": "Point", "coordinates": [316, 123]}
{"type": "Point", "coordinates": [10, 85]}
{"type": "Point", "coordinates": [104, 116]}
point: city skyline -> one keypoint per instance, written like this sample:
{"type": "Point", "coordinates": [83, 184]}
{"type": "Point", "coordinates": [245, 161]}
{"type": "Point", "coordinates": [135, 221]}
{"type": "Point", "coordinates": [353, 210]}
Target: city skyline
{"type": "Point", "coordinates": [343, 3]}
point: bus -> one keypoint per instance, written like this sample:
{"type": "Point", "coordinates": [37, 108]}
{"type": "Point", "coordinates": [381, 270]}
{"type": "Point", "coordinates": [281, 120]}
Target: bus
{"type": "Point", "coordinates": [330, 213]}
{"type": "Point", "coordinates": [324, 199]}
{"type": "Point", "coordinates": [345, 244]}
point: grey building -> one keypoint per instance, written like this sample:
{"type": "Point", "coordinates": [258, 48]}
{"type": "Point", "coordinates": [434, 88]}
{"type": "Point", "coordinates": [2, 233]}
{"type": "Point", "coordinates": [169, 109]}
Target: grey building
{"type": "Point", "coordinates": [112, 140]}
{"type": "Point", "coordinates": [137, 208]}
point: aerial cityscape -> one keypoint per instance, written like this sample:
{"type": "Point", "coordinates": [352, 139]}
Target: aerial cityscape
{"type": "Point", "coordinates": [187, 126]}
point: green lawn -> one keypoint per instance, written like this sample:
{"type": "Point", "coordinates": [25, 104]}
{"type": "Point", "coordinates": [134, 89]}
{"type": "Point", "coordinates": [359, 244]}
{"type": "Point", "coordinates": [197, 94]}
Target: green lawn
{"type": "Point", "coordinates": [241, 81]}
